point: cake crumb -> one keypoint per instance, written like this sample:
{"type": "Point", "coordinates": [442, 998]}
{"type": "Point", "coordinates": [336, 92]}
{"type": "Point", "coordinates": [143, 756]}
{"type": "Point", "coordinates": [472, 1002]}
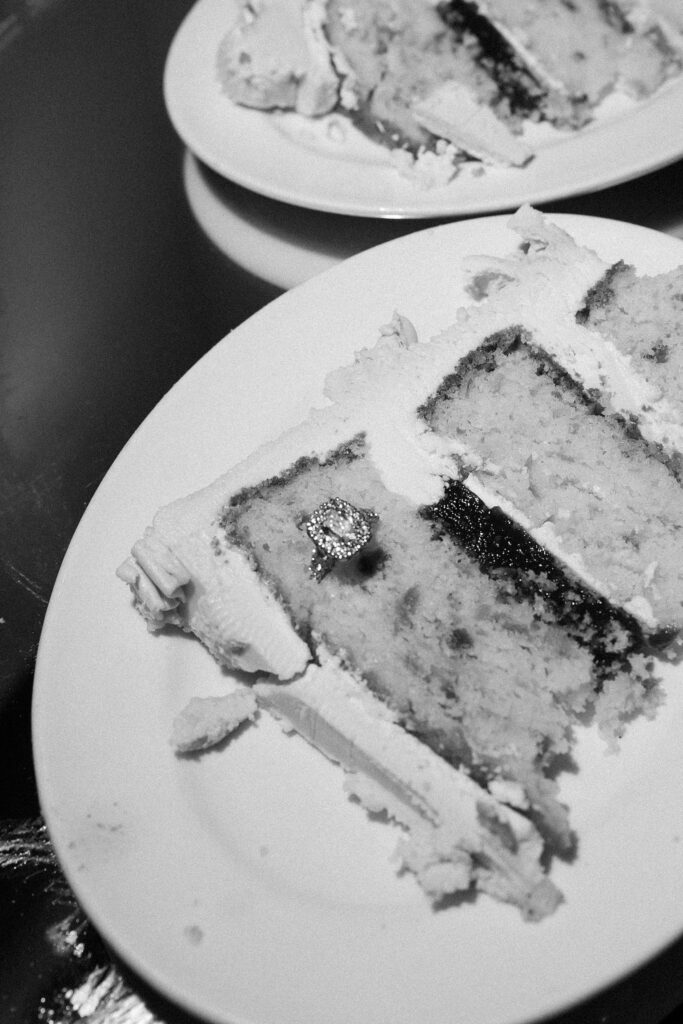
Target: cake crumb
{"type": "Point", "coordinates": [205, 721]}
{"type": "Point", "coordinates": [193, 933]}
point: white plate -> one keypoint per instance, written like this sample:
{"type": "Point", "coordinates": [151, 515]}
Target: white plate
{"type": "Point", "coordinates": [327, 165]}
{"type": "Point", "coordinates": [243, 884]}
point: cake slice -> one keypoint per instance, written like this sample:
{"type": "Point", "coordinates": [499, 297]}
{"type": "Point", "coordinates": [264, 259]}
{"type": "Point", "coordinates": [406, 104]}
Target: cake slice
{"type": "Point", "coordinates": [457, 79]}
{"type": "Point", "coordinates": [471, 549]}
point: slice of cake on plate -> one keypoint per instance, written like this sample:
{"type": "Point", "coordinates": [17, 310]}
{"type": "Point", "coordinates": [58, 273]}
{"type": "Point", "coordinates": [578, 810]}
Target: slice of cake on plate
{"type": "Point", "coordinates": [474, 547]}
{"type": "Point", "coordinates": [455, 79]}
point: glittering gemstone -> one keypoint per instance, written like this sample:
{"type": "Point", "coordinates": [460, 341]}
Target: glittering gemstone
{"type": "Point", "coordinates": [338, 530]}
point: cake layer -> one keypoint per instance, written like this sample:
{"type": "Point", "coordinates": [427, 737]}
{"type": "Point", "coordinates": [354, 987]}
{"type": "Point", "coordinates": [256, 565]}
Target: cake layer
{"type": "Point", "coordinates": [552, 455]}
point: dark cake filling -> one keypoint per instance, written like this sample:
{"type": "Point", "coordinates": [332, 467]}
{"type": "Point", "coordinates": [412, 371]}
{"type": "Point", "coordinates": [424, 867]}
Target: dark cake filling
{"type": "Point", "coordinates": [522, 91]}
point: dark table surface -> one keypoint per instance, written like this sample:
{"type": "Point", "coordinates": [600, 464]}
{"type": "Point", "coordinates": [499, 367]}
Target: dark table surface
{"type": "Point", "coordinates": [109, 291]}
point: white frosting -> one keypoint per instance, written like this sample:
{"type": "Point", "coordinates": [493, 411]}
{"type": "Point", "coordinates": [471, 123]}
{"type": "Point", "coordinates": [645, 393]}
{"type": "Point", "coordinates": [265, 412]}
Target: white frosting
{"type": "Point", "coordinates": [443, 809]}
{"type": "Point", "coordinates": [226, 606]}
{"type": "Point", "coordinates": [452, 112]}
{"type": "Point", "coordinates": [206, 721]}
{"type": "Point", "coordinates": [319, 89]}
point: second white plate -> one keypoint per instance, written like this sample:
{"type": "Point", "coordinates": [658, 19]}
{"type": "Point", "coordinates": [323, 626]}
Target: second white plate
{"type": "Point", "coordinates": [325, 164]}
